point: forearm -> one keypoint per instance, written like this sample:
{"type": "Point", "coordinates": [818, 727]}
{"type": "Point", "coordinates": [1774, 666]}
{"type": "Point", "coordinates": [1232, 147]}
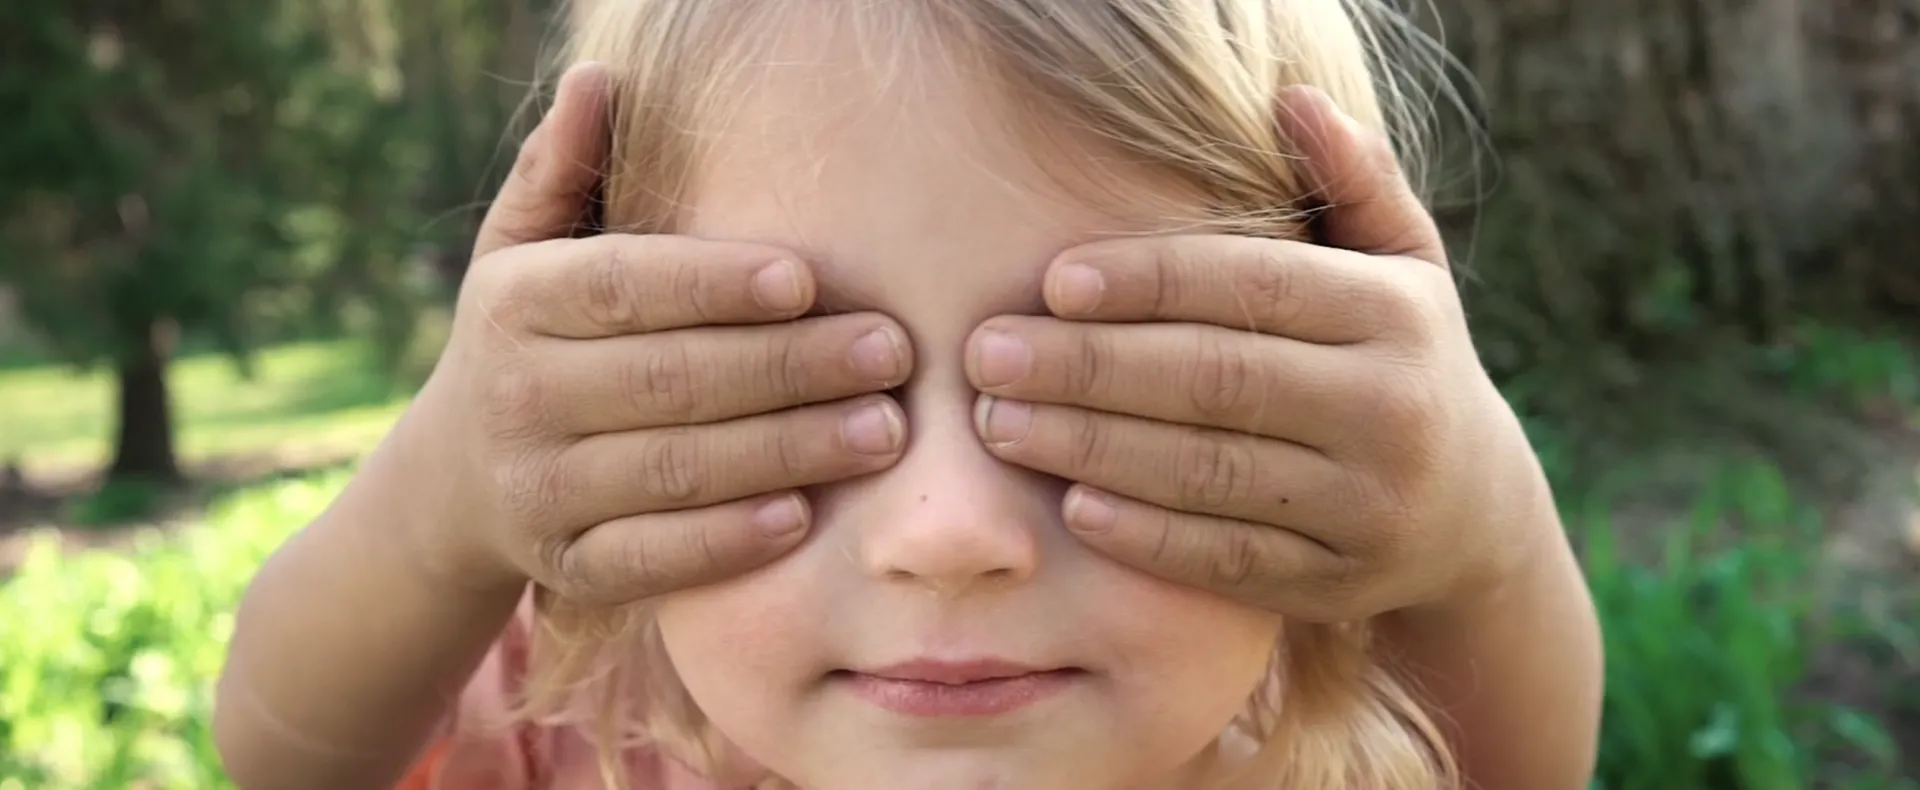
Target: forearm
{"type": "Point", "coordinates": [1515, 675]}
{"type": "Point", "coordinates": [344, 655]}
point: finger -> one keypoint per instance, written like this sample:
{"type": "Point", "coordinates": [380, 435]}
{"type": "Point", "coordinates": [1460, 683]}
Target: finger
{"type": "Point", "coordinates": [1269, 567]}
{"type": "Point", "coordinates": [636, 557]}
{"type": "Point", "coordinates": [1290, 289]}
{"type": "Point", "coordinates": [608, 476]}
{"type": "Point", "coordinates": [1202, 375]}
{"type": "Point", "coordinates": [1194, 470]}
{"type": "Point", "coordinates": [1371, 207]}
{"type": "Point", "coordinates": [616, 284]}
{"type": "Point", "coordinates": [709, 374]}
{"type": "Point", "coordinates": [558, 167]}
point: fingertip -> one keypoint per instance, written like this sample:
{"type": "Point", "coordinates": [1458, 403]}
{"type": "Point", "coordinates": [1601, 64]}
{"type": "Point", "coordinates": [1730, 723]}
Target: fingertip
{"type": "Point", "coordinates": [1089, 512]}
{"type": "Point", "coordinates": [1074, 289]}
{"type": "Point", "coordinates": [784, 517]}
{"type": "Point", "coordinates": [783, 287]}
{"type": "Point", "coordinates": [1313, 125]}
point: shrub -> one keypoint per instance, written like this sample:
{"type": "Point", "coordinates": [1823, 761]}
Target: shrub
{"type": "Point", "coordinates": [107, 660]}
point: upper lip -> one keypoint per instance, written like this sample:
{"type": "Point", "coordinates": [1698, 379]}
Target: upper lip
{"type": "Point", "coordinates": [954, 672]}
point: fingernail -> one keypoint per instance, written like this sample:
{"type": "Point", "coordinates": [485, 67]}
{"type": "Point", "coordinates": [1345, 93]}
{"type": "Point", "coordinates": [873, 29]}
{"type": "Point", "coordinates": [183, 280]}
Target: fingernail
{"type": "Point", "coordinates": [781, 517]}
{"type": "Point", "coordinates": [1089, 513]}
{"type": "Point", "coordinates": [873, 430]}
{"type": "Point", "coordinates": [878, 355]}
{"type": "Point", "coordinates": [1001, 422]}
{"type": "Point", "coordinates": [777, 287]}
{"type": "Point", "coordinates": [1001, 359]}
{"type": "Point", "coordinates": [1077, 289]}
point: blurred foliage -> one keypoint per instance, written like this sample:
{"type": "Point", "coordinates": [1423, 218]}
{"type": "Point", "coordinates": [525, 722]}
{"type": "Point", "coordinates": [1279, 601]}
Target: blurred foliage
{"type": "Point", "coordinates": [237, 170]}
{"type": "Point", "coordinates": [1708, 649]}
{"type": "Point", "coordinates": [107, 661]}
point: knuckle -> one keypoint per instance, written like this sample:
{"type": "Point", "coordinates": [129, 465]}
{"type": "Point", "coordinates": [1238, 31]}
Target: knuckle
{"type": "Point", "coordinates": [1088, 378]}
{"type": "Point", "coordinates": [1380, 534]}
{"type": "Point", "coordinates": [668, 471]}
{"type": "Point", "coordinates": [784, 372]}
{"type": "Point", "coordinates": [1088, 448]}
{"type": "Point", "coordinates": [505, 293]}
{"type": "Point", "coordinates": [693, 284]}
{"type": "Point", "coordinates": [1236, 564]}
{"type": "Point", "coordinates": [1171, 271]}
{"type": "Point", "coordinates": [572, 571]}
{"type": "Point", "coordinates": [609, 297]}
{"type": "Point", "coordinates": [1213, 471]}
{"type": "Point", "coordinates": [661, 384]}
{"type": "Point", "coordinates": [513, 401]}
{"type": "Point", "coordinates": [1404, 404]}
{"type": "Point", "coordinates": [1224, 377]}
{"type": "Point", "coordinates": [789, 454]}
{"type": "Point", "coordinates": [1413, 310]}
{"type": "Point", "coordinates": [567, 573]}
{"type": "Point", "coordinates": [697, 543]}
{"type": "Point", "coordinates": [530, 484]}
{"type": "Point", "coordinates": [1268, 288]}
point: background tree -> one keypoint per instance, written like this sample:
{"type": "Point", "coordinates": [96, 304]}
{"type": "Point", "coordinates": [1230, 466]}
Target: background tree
{"type": "Point", "coordinates": [1676, 175]}
{"type": "Point", "coordinates": [225, 170]}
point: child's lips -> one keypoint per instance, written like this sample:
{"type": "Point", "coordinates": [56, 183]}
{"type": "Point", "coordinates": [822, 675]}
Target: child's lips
{"type": "Point", "coordinates": [934, 688]}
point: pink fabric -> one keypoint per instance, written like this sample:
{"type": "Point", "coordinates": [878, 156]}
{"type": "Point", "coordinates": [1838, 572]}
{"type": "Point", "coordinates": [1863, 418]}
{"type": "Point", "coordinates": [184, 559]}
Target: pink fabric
{"type": "Point", "coordinates": [526, 757]}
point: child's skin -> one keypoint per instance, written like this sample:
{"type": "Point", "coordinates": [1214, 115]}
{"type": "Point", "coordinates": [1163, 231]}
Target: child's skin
{"type": "Point", "coordinates": [557, 442]}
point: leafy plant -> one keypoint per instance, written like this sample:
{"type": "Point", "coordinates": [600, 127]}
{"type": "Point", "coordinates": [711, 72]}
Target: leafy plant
{"type": "Point", "coordinates": [107, 660]}
{"type": "Point", "coordinates": [1707, 647]}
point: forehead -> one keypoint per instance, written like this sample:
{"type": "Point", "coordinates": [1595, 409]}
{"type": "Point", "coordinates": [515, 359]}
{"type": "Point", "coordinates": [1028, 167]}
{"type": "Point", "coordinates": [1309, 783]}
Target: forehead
{"type": "Point", "coordinates": [898, 169]}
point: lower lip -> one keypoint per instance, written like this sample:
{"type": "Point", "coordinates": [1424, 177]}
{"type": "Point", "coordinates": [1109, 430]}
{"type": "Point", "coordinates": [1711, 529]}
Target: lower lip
{"type": "Point", "coordinates": [960, 700]}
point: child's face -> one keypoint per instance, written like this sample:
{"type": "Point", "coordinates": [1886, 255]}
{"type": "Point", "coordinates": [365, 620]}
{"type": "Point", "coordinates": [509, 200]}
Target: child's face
{"type": "Point", "coordinates": [914, 200]}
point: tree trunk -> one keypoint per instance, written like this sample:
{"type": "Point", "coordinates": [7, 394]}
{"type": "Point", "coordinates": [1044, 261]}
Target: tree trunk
{"type": "Point", "coordinates": [1679, 171]}
{"type": "Point", "coordinates": [144, 438]}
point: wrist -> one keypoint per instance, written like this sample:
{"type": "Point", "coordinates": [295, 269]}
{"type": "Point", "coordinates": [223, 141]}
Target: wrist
{"type": "Point", "coordinates": [1529, 548]}
{"type": "Point", "coordinates": [413, 507]}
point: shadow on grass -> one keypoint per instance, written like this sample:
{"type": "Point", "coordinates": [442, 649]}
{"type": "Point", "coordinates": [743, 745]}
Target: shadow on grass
{"type": "Point", "coordinates": [327, 384]}
{"type": "Point", "coordinates": [93, 506]}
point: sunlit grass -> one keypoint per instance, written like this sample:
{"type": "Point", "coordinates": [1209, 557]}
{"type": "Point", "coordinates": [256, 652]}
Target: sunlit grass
{"type": "Point", "coordinates": [313, 395]}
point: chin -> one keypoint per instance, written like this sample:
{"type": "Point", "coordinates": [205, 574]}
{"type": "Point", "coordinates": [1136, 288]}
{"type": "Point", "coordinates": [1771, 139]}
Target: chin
{"type": "Point", "coordinates": [956, 769]}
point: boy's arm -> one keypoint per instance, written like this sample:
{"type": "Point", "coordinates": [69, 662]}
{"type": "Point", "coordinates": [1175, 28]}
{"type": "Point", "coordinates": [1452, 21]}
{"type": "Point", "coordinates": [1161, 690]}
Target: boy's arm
{"type": "Point", "coordinates": [346, 653]}
{"type": "Point", "coordinates": [1514, 676]}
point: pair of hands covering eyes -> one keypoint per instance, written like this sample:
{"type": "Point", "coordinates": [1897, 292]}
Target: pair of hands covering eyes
{"type": "Point", "coordinates": [624, 416]}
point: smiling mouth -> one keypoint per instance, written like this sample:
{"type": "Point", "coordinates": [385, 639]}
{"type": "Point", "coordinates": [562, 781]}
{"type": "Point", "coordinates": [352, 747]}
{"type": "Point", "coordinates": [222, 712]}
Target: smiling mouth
{"type": "Point", "coordinates": [957, 689]}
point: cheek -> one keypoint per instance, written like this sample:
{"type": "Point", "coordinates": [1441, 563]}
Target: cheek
{"type": "Point", "coordinates": [1187, 660]}
{"type": "Point", "coordinates": [743, 647]}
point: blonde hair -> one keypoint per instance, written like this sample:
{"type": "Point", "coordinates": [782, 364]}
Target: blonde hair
{"type": "Point", "coordinates": [1186, 88]}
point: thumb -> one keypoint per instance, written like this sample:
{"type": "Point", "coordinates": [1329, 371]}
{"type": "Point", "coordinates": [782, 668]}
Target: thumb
{"type": "Point", "coordinates": [559, 165]}
{"type": "Point", "coordinates": [1370, 206]}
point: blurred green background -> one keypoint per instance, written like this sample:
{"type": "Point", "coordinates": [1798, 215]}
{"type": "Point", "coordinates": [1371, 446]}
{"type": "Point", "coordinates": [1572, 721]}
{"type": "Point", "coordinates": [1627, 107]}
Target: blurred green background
{"type": "Point", "coordinates": [230, 231]}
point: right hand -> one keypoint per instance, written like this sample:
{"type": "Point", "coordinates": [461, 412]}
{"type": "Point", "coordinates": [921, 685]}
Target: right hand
{"type": "Point", "coordinates": [621, 416]}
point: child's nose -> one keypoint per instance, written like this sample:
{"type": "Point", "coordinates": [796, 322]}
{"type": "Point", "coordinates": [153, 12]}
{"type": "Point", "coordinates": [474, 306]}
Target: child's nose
{"type": "Point", "coordinates": [951, 516]}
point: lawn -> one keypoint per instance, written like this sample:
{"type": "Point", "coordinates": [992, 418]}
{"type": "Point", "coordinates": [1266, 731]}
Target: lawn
{"type": "Point", "coordinates": [1721, 643]}
{"type": "Point", "coordinates": [317, 394]}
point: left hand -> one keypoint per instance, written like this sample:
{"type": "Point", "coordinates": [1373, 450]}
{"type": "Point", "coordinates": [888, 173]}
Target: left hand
{"type": "Point", "coordinates": [1299, 427]}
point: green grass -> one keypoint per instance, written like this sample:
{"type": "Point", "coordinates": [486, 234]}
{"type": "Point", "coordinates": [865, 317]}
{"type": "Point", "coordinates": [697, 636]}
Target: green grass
{"type": "Point", "coordinates": [313, 394]}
